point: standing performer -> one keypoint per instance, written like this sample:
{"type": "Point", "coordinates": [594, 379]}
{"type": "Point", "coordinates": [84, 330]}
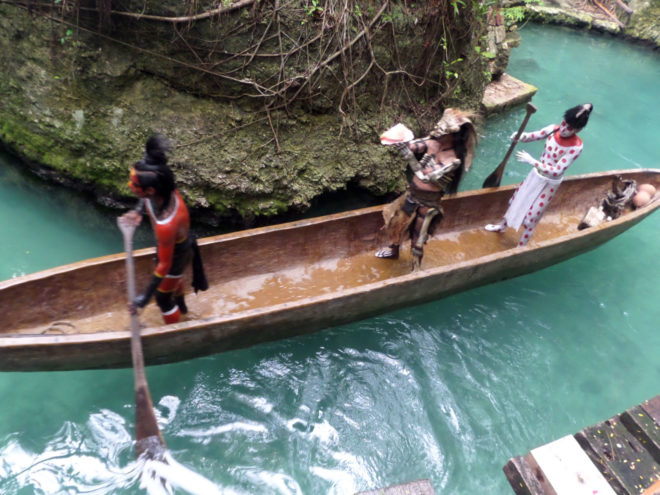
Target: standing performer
{"type": "Point", "coordinates": [438, 162]}
{"type": "Point", "coordinates": [562, 147]}
{"type": "Point", "coordinates": [153, 182]}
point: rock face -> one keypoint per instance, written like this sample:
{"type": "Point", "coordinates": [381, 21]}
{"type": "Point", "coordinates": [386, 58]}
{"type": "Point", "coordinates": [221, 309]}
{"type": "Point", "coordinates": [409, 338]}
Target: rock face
{"type": "Point", "coordinates": [634, 20]}
{"type": "Point", "coordinates": [78, 105]}
{"type": "Point", "coordinates": [644, 23]}
{"type": "Point", "coordinates": [506, 92]}
{"type": "Point", "coordinates": [503, 91]}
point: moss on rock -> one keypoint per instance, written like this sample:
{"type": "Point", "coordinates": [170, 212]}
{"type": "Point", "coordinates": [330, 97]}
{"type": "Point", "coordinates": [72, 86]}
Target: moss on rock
{"type": "Point", "coordinates": [79, 108]}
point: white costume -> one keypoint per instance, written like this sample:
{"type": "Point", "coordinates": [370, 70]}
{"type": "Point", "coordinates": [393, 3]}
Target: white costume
{"type": "Point", "coordinates": [530, 200]}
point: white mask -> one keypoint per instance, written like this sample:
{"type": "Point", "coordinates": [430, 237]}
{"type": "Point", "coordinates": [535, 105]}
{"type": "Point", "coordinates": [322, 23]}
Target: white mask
{"type": "Point", "coordinates": [566, 130]}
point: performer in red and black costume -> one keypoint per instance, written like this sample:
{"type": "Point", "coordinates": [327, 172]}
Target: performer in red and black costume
{"type": "Point", "coordinates": [152, 180]}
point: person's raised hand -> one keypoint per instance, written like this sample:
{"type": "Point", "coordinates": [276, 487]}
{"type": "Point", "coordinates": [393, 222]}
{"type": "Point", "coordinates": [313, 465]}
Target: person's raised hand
{"type": "Point", "coordinates": [132, 217]}
{"type": "Point", "coordinates": [523, 156]}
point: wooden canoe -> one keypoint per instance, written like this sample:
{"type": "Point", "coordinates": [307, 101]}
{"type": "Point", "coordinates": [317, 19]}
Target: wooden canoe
{"type": "Point", "coordinates": [284, 280]}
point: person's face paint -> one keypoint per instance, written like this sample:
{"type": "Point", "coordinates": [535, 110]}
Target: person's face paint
{"type": "Point", "coordinates": [134, 184]}
{"type": "Point", "coordinates": [565, 130]}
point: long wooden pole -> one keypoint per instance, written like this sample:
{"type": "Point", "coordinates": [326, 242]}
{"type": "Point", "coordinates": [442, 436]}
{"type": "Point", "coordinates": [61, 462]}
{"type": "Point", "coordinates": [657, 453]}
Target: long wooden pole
{"type": "Point", "coordinates": [494, 179]}
{"type": "Point", "coordinates": [149, 439]}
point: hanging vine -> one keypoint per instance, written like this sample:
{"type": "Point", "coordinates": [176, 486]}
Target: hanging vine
{"type": "Point", "coordinates": [278, 54]}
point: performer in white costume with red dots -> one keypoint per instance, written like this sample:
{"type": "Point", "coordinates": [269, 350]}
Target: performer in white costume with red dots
{"type": "Point", "coordinates": [562, 147]}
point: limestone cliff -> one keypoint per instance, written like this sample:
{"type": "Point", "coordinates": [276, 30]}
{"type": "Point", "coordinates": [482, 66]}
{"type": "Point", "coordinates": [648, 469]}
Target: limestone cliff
{"type": "Point", "coordinates": [268, 104]}
{"type": "Point", "coordinates": [633, 20]}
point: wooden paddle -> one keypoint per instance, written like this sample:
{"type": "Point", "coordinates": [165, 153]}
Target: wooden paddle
{"type": "Point", "coordinates": [494, 179]}
{"type": "Point", "coordinates": [149, 439]}
{"type": "Point", "coordinates": [157, 477]}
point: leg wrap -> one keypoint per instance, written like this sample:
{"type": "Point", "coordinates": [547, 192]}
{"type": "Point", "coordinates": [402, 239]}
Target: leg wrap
{"type": "Point", "coordinates": [419, 239]}
{"type": "Point", "coordinates": [165, 301]}
{"type": "Point", "coordinates": [423, 233]}
{"type": "Point", "coordinates": [168, 308]}
{"type": "Point", "coordinates": [180, 301]}
{"type": "Point", "coordinates": [172, 316]}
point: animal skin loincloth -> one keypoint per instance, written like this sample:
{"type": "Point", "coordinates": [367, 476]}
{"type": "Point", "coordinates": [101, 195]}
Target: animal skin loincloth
{"type": "Point", "coordinates": [398, 222]}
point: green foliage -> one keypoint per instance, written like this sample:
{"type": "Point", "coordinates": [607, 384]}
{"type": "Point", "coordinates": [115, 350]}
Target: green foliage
{"type": "Point", "coordinates": [455, 5]}
{"type": "Point", "coordinates": [67, 36]}
{"type": "Point", "coordinates": [513, 15]}
{"type": "Point", "coordinates": [450, 70]}
{"type": "Point", "coordinates": [396, 14]}
{"type": "Point", "coordinates": [481, 8]}
{"type": "Point", "coordinates": [484, 54]}
{"type": "Point", "coordinates": [313, 8]}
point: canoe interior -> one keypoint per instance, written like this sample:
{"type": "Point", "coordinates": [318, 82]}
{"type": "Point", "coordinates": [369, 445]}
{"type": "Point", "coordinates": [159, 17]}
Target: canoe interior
{"type": "Point", "coordinates": [287, 263]}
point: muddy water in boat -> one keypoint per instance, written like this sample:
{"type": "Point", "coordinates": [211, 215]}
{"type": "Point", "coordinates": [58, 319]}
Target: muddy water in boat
{"type": "Point", "coordinates": [307, 280]}
{"type": "Point", "coordinates": [447, 391]}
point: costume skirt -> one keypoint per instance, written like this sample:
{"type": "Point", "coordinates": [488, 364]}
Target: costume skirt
{"type": "Point", "coordinates": [526, 195]}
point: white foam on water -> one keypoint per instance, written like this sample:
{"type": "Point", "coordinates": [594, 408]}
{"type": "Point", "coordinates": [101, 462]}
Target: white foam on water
{"type": "Point", "coordinates": [161, 477]}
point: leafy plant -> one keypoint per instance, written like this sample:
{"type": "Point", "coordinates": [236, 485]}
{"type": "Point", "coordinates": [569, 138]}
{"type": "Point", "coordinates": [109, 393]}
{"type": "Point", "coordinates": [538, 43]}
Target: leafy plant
{"type": "Point", "coordinates": [314, 8]}
{"type": "Point", "coordinates": [450, 73]}
{"type": "Point", "coordinates": [387, 17]}
{"type": "Point", "coordinates": [516, 14]}
{"type": "Point", "coordinates": [513, 15]}
{"type": "Point", "coordinates": [455, 5]}
{"type": "Point", "coordinates": [484, 54]}
{"type": "Point", "coordinates": [67, 36]}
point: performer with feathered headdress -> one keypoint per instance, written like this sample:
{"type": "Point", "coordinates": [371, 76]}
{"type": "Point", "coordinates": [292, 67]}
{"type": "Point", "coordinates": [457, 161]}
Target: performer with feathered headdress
{"type": "Point", "coordinates": [438, 162]}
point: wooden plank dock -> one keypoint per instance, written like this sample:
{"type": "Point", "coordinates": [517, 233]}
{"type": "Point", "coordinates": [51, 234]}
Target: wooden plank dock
{"type": "Point", "coordinates": [619, 456]}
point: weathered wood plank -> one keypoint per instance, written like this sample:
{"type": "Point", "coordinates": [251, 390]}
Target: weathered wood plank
{"type": "Point", "coordinates": [568, 470]}
{"type": "Point", "coordinates": [523, 478]}
{"type": "Point", "coordinates": [652, 408]}
{"type": "Point", "coordinates": [419, 487]}
{"type": "Point", "coordinates": [621, 458]}
{"type": "Point", "coordinates": [625, 450]}
{"type": "Point", "coordinates": [644, 429]}
{"type": "Point", "coordinates": [654, 489]}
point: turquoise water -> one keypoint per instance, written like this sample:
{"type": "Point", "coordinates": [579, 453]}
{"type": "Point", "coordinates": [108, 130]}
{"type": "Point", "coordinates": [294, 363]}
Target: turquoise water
{"type": "Point", "coordinates": [447, 391]}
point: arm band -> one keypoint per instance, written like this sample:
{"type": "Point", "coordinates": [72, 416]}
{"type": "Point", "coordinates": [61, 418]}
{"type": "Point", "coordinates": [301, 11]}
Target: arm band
{"type": "Point", "coordinates": [409, 156]}
{"type": "Point", "coordinates": [441, 172]}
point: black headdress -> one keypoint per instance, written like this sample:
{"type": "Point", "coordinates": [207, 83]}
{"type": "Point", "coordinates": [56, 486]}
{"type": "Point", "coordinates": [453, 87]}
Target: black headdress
{"type": "Point", "coordinates": [577, 117]}
{"type": "Point", "coordinates": [153, 170]}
